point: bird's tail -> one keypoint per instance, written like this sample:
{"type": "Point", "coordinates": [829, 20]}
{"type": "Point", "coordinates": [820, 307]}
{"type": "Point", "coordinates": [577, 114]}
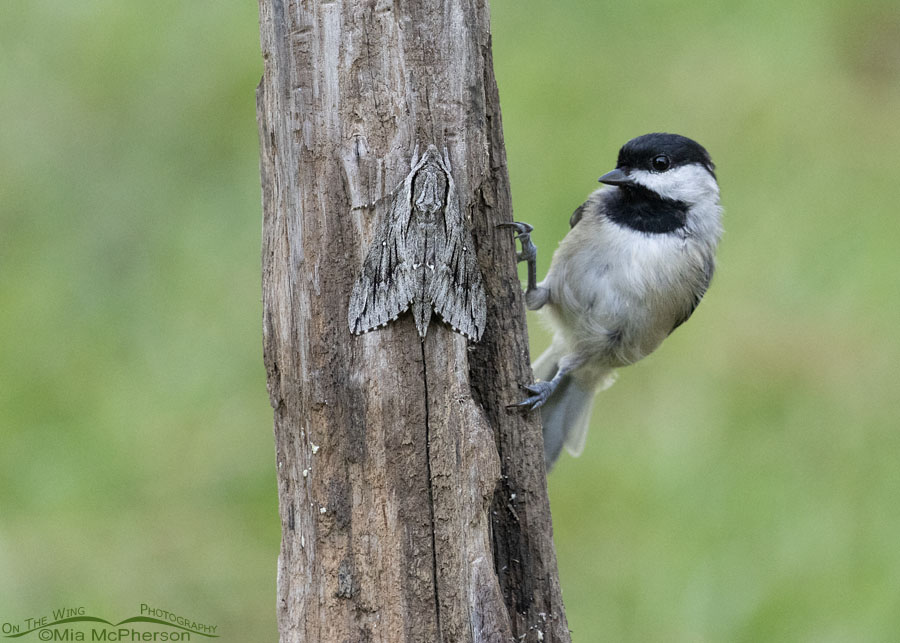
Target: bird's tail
{"type": "Point", "coordinates": [567, 414]}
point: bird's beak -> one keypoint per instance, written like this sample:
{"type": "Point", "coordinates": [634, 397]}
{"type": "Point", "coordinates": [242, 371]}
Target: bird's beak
{"type": "Point", "coordinates": [616, 177]}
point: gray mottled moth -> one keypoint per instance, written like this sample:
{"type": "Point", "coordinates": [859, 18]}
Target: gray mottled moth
{"type": "Point", "coordinates": [423, 256]}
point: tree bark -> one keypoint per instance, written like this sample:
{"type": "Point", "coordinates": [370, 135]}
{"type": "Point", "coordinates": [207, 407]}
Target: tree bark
{"type": "Point", "coordinates": [413, 503]}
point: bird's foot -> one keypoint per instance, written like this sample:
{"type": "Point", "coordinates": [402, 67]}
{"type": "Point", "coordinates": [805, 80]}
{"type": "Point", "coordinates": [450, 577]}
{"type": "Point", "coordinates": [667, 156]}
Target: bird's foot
{"type": "Point", "coordinates": [541, 392]}
{"type": "Point", "coordinates": [523, 234]}
{"type": "Point", "coordinates": [535, 296]}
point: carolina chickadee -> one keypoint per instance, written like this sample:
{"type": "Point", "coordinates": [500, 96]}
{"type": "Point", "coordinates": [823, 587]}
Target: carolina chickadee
{"type": "Point", "coordinates": [631, 270]}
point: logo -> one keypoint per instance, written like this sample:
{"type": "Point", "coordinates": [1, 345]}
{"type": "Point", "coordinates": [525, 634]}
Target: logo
{"type": "Point", "coordinates": [75, 624]}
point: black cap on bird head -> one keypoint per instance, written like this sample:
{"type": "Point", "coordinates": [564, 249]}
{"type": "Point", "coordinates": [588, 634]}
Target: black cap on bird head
{"type": "Point", "coordinates": [642, 152]}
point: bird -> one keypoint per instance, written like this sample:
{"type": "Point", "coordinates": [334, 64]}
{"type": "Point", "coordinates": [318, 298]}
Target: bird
{"type": "Point", "coordinates": [635, 264]}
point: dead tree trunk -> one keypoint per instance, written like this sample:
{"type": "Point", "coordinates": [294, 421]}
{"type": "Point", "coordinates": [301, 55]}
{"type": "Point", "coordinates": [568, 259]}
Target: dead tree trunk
{"type": "Point", "coordinates": [413, 503]}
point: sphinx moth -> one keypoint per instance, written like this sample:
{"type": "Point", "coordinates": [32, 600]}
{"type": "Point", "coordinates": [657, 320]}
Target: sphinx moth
{"type": "Point", "coordinates": [422, 257]}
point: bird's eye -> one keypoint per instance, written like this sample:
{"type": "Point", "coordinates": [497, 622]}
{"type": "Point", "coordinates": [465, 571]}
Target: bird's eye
{"type": "Point", "coordinates": [660, 163]}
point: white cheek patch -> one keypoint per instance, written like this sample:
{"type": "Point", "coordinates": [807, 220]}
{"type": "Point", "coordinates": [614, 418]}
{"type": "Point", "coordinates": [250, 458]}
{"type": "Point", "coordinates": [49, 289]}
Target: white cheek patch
{"type": "Point", "coordinates": [689, 184]}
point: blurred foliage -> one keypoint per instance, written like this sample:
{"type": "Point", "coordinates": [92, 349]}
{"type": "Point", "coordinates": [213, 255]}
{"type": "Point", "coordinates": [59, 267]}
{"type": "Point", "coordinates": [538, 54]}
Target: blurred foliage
{"type": "Point", "coordinates": [740, 484]}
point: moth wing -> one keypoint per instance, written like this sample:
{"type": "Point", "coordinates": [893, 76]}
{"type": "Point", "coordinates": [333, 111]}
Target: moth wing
{"type": "Point", "coordinates": [384, 288]}
{"type": "Point", "coordinates": [457, 289]}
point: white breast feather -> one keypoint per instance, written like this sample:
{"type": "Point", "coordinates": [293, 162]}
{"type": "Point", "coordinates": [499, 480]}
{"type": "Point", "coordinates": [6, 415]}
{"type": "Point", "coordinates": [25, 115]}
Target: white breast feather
{"type": "Point", "coordinates": [618, 296]}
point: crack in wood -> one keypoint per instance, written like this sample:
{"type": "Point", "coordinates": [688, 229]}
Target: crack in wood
{"type": "Point", "coordinates": [434, 556]}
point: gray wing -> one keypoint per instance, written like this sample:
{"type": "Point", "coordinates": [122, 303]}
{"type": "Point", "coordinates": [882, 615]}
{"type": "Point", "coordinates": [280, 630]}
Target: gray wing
{"type": "Point", "coordinates": [457, 289]}
{"type": "Point", "coordinates": [709, 267]}
{"type": "Point", "coordinates": [576, 216]}
{"type": "Point", "coordinates": [384, 288]}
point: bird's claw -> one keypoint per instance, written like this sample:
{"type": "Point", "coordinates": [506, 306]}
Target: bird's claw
{"type": "Point", "coordinates": [520, 227]}
{"type": "Point", "coordinates": [541, 392]}
{"type": "Point", "coordinates": [523, 234]}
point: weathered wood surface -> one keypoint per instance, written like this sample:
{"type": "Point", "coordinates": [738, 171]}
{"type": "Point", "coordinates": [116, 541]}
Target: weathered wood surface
{"type": "Point", "coordinates": [413, 503]}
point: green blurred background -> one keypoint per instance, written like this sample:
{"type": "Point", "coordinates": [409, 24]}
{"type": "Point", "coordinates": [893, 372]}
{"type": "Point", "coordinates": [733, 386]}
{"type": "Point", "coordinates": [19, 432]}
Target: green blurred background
{"type": "Point", "coordinates": [741, 484]}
